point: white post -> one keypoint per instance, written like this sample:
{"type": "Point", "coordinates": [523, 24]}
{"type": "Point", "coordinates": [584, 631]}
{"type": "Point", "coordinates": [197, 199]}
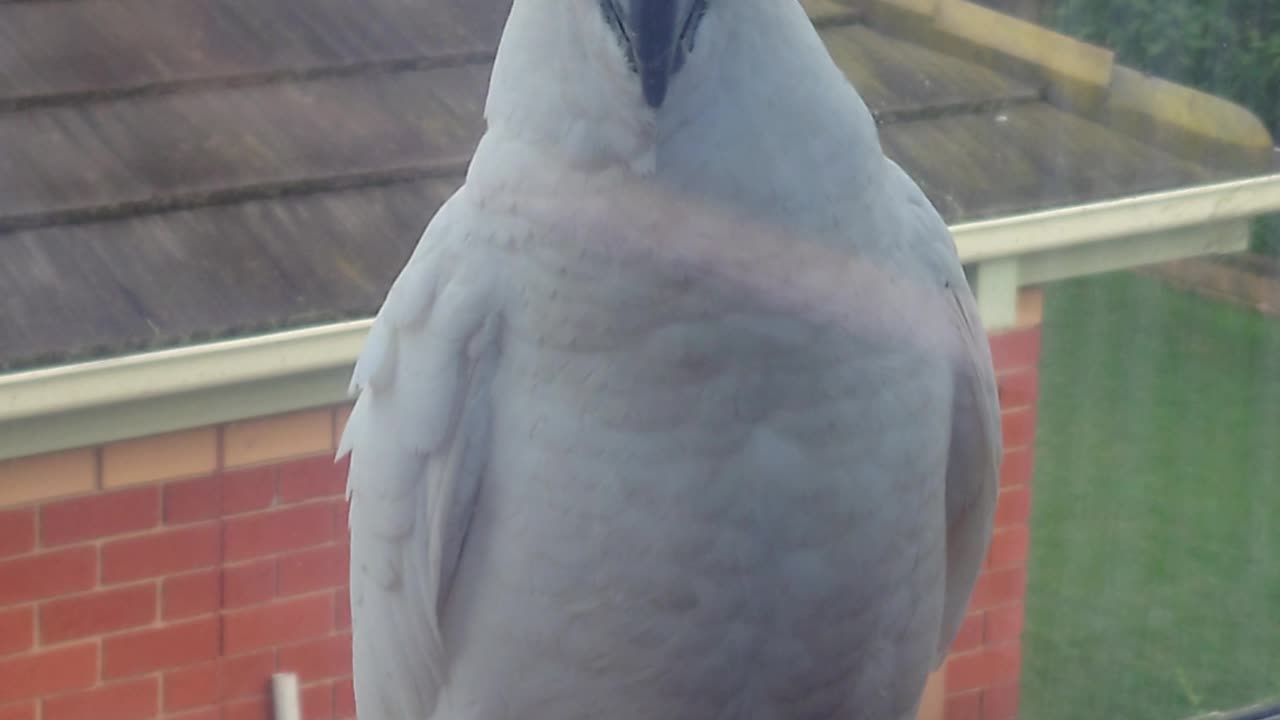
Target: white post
{"type": "Point", "coordinates": [284, 696]}
{"type": "Point", "coordinates": [996, 290]}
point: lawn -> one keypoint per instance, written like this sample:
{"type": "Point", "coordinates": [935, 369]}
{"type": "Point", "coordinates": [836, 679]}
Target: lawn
{"type": "Point", "coordinates": [1155, 570]}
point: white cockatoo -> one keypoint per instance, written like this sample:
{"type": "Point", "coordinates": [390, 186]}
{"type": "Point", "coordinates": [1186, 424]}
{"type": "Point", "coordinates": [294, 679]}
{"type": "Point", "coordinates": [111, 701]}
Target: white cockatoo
{"type": "Point", "coordinates": [681, 408]}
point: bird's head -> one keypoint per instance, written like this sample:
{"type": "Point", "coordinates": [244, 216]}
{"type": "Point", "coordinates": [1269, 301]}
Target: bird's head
{"type": "Point", "coordinates": [592, 77]}
{"type": "Point", "coordinates": [664, 85]}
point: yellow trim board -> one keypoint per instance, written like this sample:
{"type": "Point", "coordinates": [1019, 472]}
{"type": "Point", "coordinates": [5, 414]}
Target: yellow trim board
{"type": "Point", "coordinates": [1058, 54]}
{"type": "Point", "coordinates": [1050, 52]}
{"type": "Point", "coordinates": [1084, 78]}
{"type": "Point", "coordinates": [1189, 109]}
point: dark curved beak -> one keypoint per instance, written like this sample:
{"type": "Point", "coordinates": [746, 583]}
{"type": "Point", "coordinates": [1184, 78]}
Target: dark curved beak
{"type": "Point", "coordinates": [653, 30]}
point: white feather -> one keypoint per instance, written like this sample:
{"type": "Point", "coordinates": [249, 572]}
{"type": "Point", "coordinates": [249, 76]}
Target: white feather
{"type": "Point", "coordinates": [417, 438]}
{"type": "Point", "coordinates": [628, 442]}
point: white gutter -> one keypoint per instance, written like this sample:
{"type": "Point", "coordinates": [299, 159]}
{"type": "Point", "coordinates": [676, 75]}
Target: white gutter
{"type": "Point", "coordinates": [180, 370]}
{"type": "Point", "coordinates": [1097, 222]}
{"type": "Point", "coordinates": [101, 401]}
{"type": "Point", "coordinates": [1008, 253]}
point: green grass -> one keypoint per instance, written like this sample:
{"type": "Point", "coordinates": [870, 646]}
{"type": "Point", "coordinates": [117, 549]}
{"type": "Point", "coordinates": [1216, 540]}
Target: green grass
{"type": "Point", "coordinates": [1155, 570]}
{"type": "Point", "coordinates": [1266, 235]}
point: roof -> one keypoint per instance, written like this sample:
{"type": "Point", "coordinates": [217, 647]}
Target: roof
{"type": "Point", "coordinates": [199, 169]}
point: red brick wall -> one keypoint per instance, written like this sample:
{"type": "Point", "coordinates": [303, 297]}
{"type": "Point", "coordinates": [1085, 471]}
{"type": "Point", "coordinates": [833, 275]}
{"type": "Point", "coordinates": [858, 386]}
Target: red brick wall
{"type": "Point", "coordinates": [983, 669]}
{"type": "Point", "coordinates": [179, 599]}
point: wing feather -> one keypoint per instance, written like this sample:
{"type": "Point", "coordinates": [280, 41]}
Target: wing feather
{"type": "Point", "coordinates": [973, 459]}
{"type": "Point", "coordinates": [973, 464]}
{"type": "Point", "coordinates": [418, 439]}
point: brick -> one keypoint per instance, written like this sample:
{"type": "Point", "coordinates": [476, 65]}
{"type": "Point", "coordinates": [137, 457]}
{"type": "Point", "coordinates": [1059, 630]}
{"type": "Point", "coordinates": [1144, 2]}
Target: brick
{"type": "Point", "coordinates": [1016, 349]}
{"type": "Point", "coordinates": [969, 636]}
{"type": "Point", "coordinates": [193, 594]}
{"type": "Point", "coordinates": [1004, 624]}
{"type": "Point", "coordinates": [19, 711]}
{"type": "Point", "coordinates": [193, 500]}
{"type": "Point", "coordinates": [17, 532]}
{"type": "Point", "coordinates": [248, 583]}
{"type": "Point", "coordinates": [1009, 548]}
{"type": "Point", "coordinates": [280, 437]}
{"type": "Point", "coordinates": [247, 675]}
{"type": "Point", "coordinates": [1017, 467]}
{"type": "Point", "coordinates": [314, 569]}
{"type": "Point", "coordinates": [17, 630]}
{"type": "Point", "coordinates": [341, 518]}
{"type": "Point", "coordinates": [983, 668]}
{"type": "Point", "coordinates": [255, 709]}
{"type": "Point", "coordinates": [344, 699]}
{"type": "Point", "coordinates": [278, 623]}
{"type": "Point", "coordinates": [191, 687]}
{"type": "Point", "coordinates": [48, 574]}
{"type": "Point", "coordinates": [1018, 388]}
{"type": "Point", "coordinates": [278, 531]}
{"type": "Point", "coordinates": [160, 457]}
{"type": "Point", "coordinates": [344, 470]}
{"type": "Point", "coordinates": [341, 414]}
{"type": "Point", "coordinates": [96, 613]}
{"type": "Point", "coordinates": [99, 516]}
{"type": "Point", "coordinates": [248, 490]}
{"type": "Point", "coordinates": [963, 706]}
{"type": "Point", "coordinates": [310, 478]}
{"type": "Point", "coordinates": [999, 587]}
{"type": "Point", "coordinates": [1013, 506]}
{"type": "Point", "coordinates": [40, 477]}
{"type": "Point", "coordinates": [1030, 306]}
{"type": "Point", "coordinates": [1000, 703]}
{"type": "Point", "coordinates": [1018, 427]}
{"type": "Point", "coordinates": [317, 701]}
{"type": "Point", "coordinates": [162, 648]}
{"type": "Point", "coordinates": [161, 553]}
{"type": "Point", "coordinates": [932, 698]}
{"type": "Point", "coordinates": [209, 713]}
{"type": "Point", "coordinates": [53, 671]}
{"type": "Point", "coordinates": [342, 608]}
{"type": "Point", "coordinates": [121, 701]}
{"type": "Point", "coordinates": [321, 659]}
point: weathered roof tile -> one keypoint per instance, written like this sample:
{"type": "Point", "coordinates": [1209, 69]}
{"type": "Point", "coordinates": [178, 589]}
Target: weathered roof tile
{"type": "Point", "coordinates": [1025, 157]}
{"type": "Point", "coordinates": [167, 278]}
{"type": "Point", "coordinates": [180, 170]}
{"type": "Point", "coordinates": [75, 51]}
{"type": "Point", "coordinates": [81, 160]}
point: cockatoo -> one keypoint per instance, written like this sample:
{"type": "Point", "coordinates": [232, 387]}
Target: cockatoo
{"type": "Point", "coordinates": [681, 408]}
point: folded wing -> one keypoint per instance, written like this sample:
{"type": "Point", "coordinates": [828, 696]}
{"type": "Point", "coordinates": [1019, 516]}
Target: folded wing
{"type": "Point", "coordinates": [418, 438]}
